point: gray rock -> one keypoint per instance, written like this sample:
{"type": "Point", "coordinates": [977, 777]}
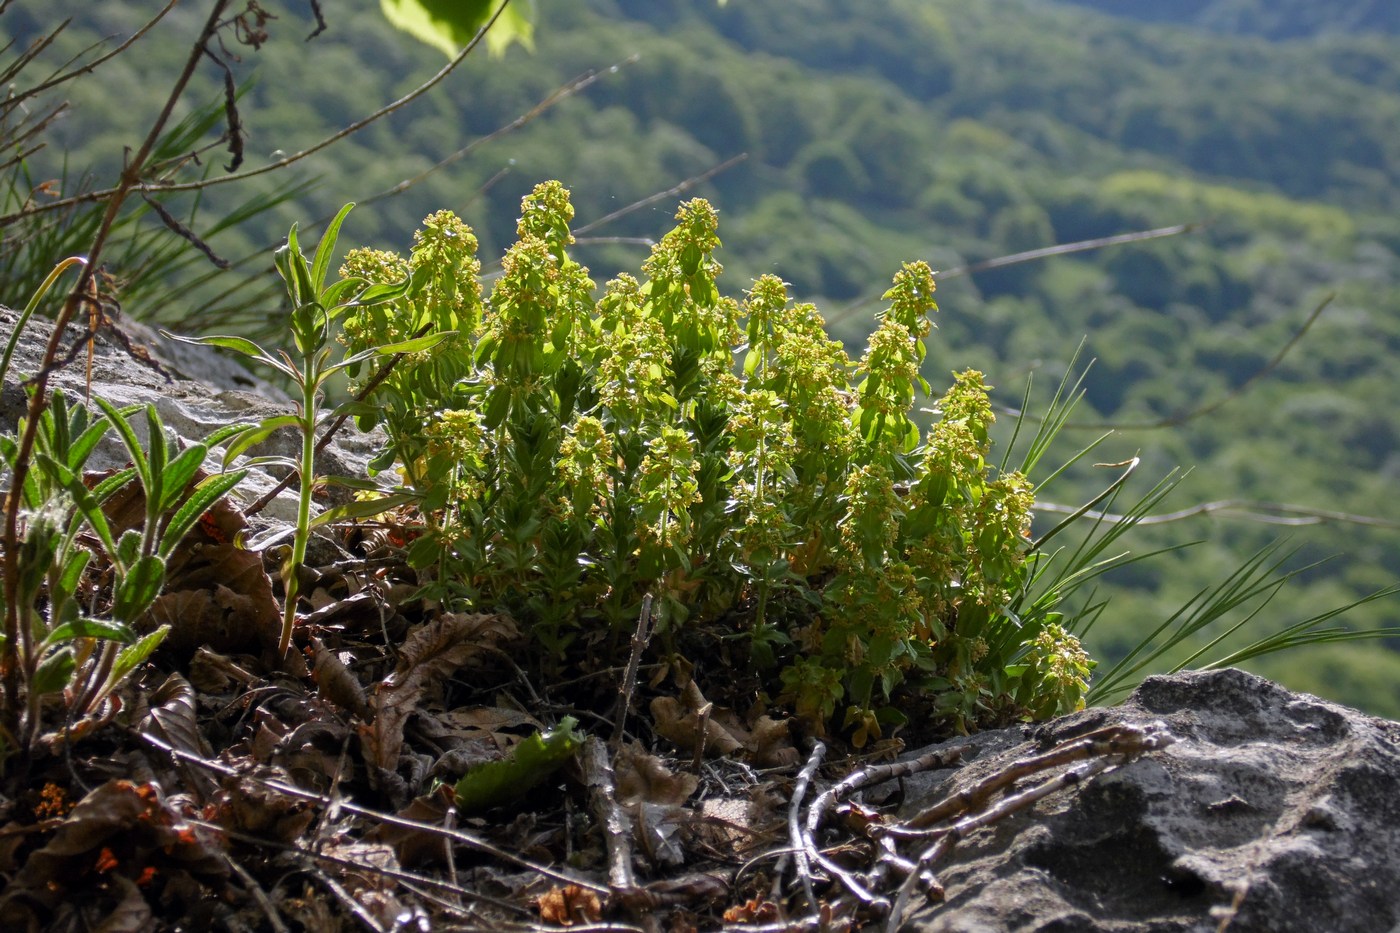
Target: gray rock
{"type": "Point", "coordinates": [1274, 811]}
{"type": "Point", "coordinates": [196, 390]}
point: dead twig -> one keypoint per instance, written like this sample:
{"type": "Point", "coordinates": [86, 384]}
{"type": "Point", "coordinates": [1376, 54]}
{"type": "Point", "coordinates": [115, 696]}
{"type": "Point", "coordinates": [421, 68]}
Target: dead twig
{"type": "Point", "coordinates": [108, 193]}
{"type": "Point", "coordinates": [613, 818]}
{"type": "Point", "coordinates": [640, 637]}
{"type": "Point", "coordinates": [347, 900]}
{"type": "Point", "coordinates": [269, 909]}
{"type": "Point", "coordinates": [865, 777]}
{"type": "Point", "coordinates": [459, 836]}
{"type": "Point", "coordinates": [1105, 748]}
{"type": "Point", "coordinates": [796, 839]}
{"type": "Point", "coordinates": [677, 189]}
{"type": "Point", "coordinates": [563, 92]}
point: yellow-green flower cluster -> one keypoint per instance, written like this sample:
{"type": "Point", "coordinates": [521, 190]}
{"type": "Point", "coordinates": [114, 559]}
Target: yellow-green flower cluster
{"type": "Point", "coordinates": [1060, 668]}
{"type": "Point", "coordinates": [585, 461]}
{"type": "Point", "coordinates": [666, 489]}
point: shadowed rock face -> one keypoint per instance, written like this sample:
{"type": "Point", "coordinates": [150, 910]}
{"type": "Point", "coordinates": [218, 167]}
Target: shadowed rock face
{"type": "Point", "coordinates": [1274, 811]}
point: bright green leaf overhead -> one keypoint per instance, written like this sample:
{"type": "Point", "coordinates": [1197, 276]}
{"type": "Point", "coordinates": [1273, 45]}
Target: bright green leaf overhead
{"type": "Point", "coordinates": [450, 25]}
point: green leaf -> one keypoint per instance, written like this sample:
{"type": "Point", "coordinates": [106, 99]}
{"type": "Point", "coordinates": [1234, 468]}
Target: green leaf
{"type": "Point", "coordinates": [237, 344]}
{"type": "Point", "coordinates": [34, 301]}
{"type": "Point", "coordinates": [287, 463]}
{"type": "Point", "coordinates": [128, 547]}
{"type": "Point", "coordinates": [335, 297]}
{"type": "Point", "coordinates": [73, 566]}
{"type": "Point", "coordinates": [291, 263]}
{"type": "Point", "coordinates": [87, 441]}
{"type": "Point", "coordinates": [128, 658]}
{"type": "Point", "coordinates": [92, 628]}
{"type": "Point", "coordinates": [54, 672]}
{"type": "Point", "coordinates": [258, 433]}
{"type": "Point", "coordinates": [367, 508]}
{"type": "Point", "coordinates": [326, 248]}
{"type": "Point", "coordinates": [157, 455]}
{"type": "Point", "coordinates": [450, 25]}
{"type": "Point", "coordinates": [138, 588]}
{"type": "Point", "coordinates": [209, 491]}
{"type": "Point", "coordinates": [109, 486]}
{"type": "Point", "coordinates": [415, 345]}
{"type": "Point", "coordinates": [384, 291]}
{"type": "Point", "coordinates": [497, 407]}
{"type": "Point", "coordinates": [178, 474]}
{"type": "Point", "coordinates": [352, 482]}
{"type": "Point", "coordinates": [528, 764]}
{"type": "Point", "coordinates": [129, 440]}
{"type": "Point", "coordinates": [358, 409]}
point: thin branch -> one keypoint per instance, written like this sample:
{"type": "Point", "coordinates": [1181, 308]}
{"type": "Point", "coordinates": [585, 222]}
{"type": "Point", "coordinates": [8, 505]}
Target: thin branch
{"type": "Point", "coordinates": [1174, 421]}
{"type": "Point", "coordinates": [17, 648]}
{"type": "Point", "coordinates": [640, 637]}
{"type": "Point", "coordinates": [457, 835]}
{"type": "Point", "coordinates": [795, 838]}
{"type": "Point", "coordinates": [619, 240]}
{"type": "Point", "coordinates": [93, 65]}
{"type": "Point", "coordinates": [1273, 513]}
{"type": "Point", "coordinates": [1035, 255]}
{"type": "Point", "coordinates": [560, 93]}
{"type": "Point", "coordinates": [1128, 466]}
{"type": "Point", "coordinates": [616, 823]}
{"type": "Point", "coordinates": [355, 127]}
{"type": "Point", "coordinates": [972, 808]}
{"type": "Point", "coordinates": [671, 192]}
{"type": "Point", "coordinates": [1065, 249]}
{"type": "Point", "coordinates": [185, 233]}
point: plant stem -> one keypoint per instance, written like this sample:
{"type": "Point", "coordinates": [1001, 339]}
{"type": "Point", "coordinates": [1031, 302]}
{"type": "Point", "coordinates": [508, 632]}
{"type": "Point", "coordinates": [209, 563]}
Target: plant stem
{"type": "Point", "coordinates": [306, 477]}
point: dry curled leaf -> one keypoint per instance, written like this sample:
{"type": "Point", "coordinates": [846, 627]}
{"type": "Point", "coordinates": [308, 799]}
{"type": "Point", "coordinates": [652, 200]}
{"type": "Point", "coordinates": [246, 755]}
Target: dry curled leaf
{"type": "Point", "coordinates": [642, 777]}
{"type": "Point", "coordinates": [568, 905]}
{"type": "Point", "coordinates": [430, 653]}
{"type": "Point", "coordinates": [689, 720]}
{"type": "Point", "coordinates": [174, 719]}
{"type": "Point", "coordinates": [413, 846]}
{"type": "Point", "coordinates": [335, 681]}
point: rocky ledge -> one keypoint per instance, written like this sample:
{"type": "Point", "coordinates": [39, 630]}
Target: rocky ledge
{"type": "Point", "coordinates": [1273, 811]}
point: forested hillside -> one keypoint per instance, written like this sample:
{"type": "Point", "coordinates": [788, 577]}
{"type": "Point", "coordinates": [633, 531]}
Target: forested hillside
{"type": "Point", "coordinates": [1280, 19]}
{"type": "Point", "coordinates": [945, 131]}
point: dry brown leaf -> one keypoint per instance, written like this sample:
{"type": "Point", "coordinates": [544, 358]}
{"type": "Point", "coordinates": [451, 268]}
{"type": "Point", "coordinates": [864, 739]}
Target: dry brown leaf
{"type": "Point", "coordinates": [132, 913]}
{"type": "Point", "coordinates": [683, 728]}
{"type": "Point", "coordinates": [335, 681]}
{"type": "Point", "coordinates": [657, 828]}
{"type": "Point", "coordinates": [211, 672]}
{"type": "Point", "coordinates": [568, 905]}
{"type": "Point", "coordinates": [120, 829]}
{"type": "Point", "coordinates": [489, 720]}
{"type": "Point", "coordinates": [174, 717]}
{"type": "Point", "coordinates": [641, 777]}
{"type": "Point", "coordinates": [251, 807]}
{"type": "Point", "coordinates": [431, 653]}
{"type": "Point", "coordinates": [416, 847]}
{"type": "Point", "coordinates": [770, 743]}
{"type": "Point", "coordinates": [228, 609]}
{"type": "Point", "coordinates": [725, 823]}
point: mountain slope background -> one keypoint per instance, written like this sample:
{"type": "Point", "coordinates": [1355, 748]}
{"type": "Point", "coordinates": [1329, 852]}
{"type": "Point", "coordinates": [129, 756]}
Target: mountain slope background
{"type": "Point", "coordinates": [935, 130]}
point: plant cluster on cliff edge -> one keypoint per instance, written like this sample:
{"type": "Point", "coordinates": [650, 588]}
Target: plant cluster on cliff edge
{"type": "Point", "coordinates": [590, 484]}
